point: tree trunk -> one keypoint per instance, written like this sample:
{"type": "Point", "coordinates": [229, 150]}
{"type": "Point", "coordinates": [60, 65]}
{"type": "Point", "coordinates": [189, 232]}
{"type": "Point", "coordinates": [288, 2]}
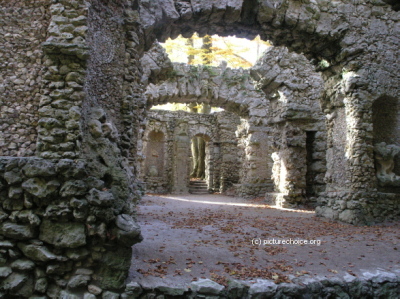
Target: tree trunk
{"type": "Point", "coordinates": [207, 53]}
{"type": "Point", "coordinates": [195, 157]}
{"type": "Point", "coordinates": [189, 43]}
{"type": "Point", "coordinates": [201, 160]}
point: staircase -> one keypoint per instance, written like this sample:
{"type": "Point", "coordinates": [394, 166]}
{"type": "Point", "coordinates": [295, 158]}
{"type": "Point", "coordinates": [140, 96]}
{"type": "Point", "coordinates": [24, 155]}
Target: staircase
{"type": "Point", "coordinates": [198, 187]}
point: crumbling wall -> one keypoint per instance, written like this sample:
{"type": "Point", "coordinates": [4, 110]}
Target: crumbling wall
{"type": "Point", "coordinates": [23, 27]}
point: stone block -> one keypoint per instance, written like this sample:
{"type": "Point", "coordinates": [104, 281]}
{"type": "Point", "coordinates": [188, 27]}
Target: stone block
{"type": "Point", "coordinates": [15, 192]}
{"type": "Point", "coordinates": [13, 177]}
{"type": "Point", "coordinates": [95, 290]}
{"type": "Point", "coordinates": [23, 265]}
{"type": "Point", "coordinates": [100, 198]}
{"type": "Point", "coordinates": [17, 231]}
{"type": "Point", "coordinates": [66, 235]}
{"type": "Point", "coordinates": [41, 285]}
{"type": "Point", "coordinates": [127, 231]}
{"type": "Point", "coordinates": [206, 286]}
{"type": "Point", "coordinates": [77, 281]}
{"type": "Point", "coordinates": [39, 253]}
{"type": "Point", "coordinates": [40, 187]}
{"type": "Point", "coordinates": [263, 288]}
{"type": "Point", "coordinates": [110, 295]}
{"type": "Point", "coordinates": [39, 168]}
{"type": "Point", "coordinates": [73, 188]}
{"type": "Point", "coordinates": [13, 281]}
{"type": "Point", "coordinates": [5, 272]}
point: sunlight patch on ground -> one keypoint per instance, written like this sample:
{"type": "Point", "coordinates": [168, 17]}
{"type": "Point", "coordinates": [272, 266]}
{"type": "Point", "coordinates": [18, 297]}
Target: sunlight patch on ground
{"type": "Point", "coordinates": [253, 205]}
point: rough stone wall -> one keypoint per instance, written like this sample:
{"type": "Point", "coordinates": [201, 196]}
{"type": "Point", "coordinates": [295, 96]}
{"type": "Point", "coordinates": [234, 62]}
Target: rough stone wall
{"type": "Point", "coordinates": [256, 161]}
{"type": "Point", "coordinates": [62, 86]}
{"type": "Point", "coordinates": [376, 285]}
{"type": "Point", "coordinates": [229, 160]}
{"type": "Point", "coordinates": [23, 26]}
{"type": "Point", "coordinates": [231, 89]}
{"type": "Point", "coordinates": [92, 106]}
{"type": "Point", "coordinates": [57, 225]}
{"type": "Point", "coordinates": [222, 161]}
{"type": "Point", "coordinates": [294, 91]}
{"type": "Point", "coordinates": [353, 43]}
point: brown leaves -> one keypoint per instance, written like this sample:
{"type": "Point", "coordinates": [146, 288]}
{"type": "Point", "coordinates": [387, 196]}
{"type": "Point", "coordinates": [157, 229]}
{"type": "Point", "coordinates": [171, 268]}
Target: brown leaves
{"type": "Point", "coordinates": [216, 242]}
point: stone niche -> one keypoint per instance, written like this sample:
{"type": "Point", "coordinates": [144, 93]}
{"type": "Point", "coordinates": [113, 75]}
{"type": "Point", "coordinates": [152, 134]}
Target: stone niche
{"type": "Point", "coordinates": [168, 160]}
{"type": "Point", "coordinates": [155, 154]}
{"type": "Point", "coordinates": [386, 139]}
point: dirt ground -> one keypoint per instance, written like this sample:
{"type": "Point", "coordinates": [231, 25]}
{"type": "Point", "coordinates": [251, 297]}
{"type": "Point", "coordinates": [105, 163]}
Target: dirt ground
{"type": "Point", "coordinates": [217, 237]}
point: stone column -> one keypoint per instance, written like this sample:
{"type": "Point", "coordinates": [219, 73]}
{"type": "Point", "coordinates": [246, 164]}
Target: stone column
{"type": "Point", "coordinates": [181, 164]}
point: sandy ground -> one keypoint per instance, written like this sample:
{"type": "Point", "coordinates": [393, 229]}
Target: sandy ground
{"type": "Point", "coordinates": [217, 237]}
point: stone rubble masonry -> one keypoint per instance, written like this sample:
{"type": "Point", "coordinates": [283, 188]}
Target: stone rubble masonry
{"type": "Point", "coordinates": [278, 108]}
{"type": "Point", "coordinates": [58, 232]}
{"type": "Point", "coordinates": [377, 284]}
{"type": "Point", "coordinates": [72, 92]}
{"type": "Point", "coordinates": [222, 159]}
{"type": "Point", "coordinates": [23, 27]}
{"type": "Point", "coordinates": [66, 52]}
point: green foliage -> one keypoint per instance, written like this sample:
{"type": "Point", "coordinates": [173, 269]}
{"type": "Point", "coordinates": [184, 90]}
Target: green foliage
{"type": "Point", "coordinates": [212, 50]}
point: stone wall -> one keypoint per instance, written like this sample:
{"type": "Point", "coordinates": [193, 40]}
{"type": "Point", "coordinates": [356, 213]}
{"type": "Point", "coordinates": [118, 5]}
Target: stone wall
{"type": "Point", "coordinates": [84, 99]}
{"type": "Point", "coordinates": [294, 91]}
{"type": "Point", "coordinates": [62, 86]}
{"type": "Point", "coordinates": [353, 44]}
{"type": "Point", "coordinates": [374, 285]}
{"type": "Point", "coordinates": [23, 27]}
{"type": "Point", "coordinates": [230, 89]}
{"type": "Point", "coordinates": [222, 160]}
{"type": "Point", "coordinates": [60, 230]}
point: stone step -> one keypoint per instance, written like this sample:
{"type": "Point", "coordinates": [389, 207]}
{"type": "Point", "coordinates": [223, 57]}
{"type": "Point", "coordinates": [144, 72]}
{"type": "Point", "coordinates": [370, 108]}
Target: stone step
{"type": "Point", "coordinates": [198, 187]}
{"type": "Point", "coordinates": [195, 183]}
{"type": "Point", "coordinates": [198, 192]}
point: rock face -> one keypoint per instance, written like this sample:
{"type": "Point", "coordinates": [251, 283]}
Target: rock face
{"type": "Point", "coordinates": [73, 92]}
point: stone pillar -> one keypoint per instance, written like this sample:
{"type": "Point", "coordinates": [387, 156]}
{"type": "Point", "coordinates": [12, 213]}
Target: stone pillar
{"type": "Point", "coordinates": [351, 183]}
{"type": "Point", "coordinates": [181, 163]}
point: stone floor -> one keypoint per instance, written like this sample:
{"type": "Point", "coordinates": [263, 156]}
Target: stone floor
{"type": "Point", "coordinates": [213, 236]}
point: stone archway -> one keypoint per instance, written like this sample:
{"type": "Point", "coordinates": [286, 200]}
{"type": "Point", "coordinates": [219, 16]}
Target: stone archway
{"type": "Point", "coordinates": [88, 111]}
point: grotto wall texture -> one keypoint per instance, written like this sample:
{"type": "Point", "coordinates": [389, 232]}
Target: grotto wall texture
{"type": "Point", "coordinates": [279, 100]}
{"type": "Point", "coordinates": [353, 44]}
{"type": "Point", "coordinates": [59, 232]}
{"type": "Point", "coordinates": [23, 29]}
{"type": "Point", "coordinates": [72, 88]}
{"type": "Point", "coordinates": [51, 205]}
{"type": "Point", "coordinates": [222, 157]}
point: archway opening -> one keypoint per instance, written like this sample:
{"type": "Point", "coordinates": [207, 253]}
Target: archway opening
{"type": "Point", "coordinates": [198, 151]}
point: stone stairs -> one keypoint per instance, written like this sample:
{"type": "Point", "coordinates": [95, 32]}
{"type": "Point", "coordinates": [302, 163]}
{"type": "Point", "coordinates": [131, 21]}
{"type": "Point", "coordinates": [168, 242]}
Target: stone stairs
{"type": "Point", "coordinates": [198, 187]}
